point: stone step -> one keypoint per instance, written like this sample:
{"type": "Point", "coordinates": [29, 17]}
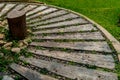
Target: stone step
{"type": "Point", "coordinates": [38, 9]}
{"type": "Point", "coordinates": [30, 74]}
{"type": "Point", "coordinates": [49, 16]}
{"type": "Point", "coordinates": [59, 19]}
{"type": "Point", "coordinates": [100, 46]}
{"type": "Point", "coordinates": [105, 61]}
{"type": "Point", "coordinates": [72, 36]}
{"type": "Point", "coordinates": [6, 8]}
{"type": "Point", "coordinates": [47, 11]}
{"type": "Point", "coordinates": [60, 24]}
{"type": "Point", "coordinates": [79, 28]}
{"type": "Point", "coordinates": [70, 71]}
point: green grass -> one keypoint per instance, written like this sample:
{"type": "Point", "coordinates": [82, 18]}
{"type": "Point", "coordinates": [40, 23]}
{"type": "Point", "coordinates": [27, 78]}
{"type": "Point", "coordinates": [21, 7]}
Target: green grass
{"type": "Point", "coordinates": [104, 12]}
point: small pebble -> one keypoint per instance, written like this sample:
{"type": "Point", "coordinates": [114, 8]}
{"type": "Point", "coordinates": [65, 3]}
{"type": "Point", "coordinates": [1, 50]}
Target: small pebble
{"type": "Point", "coordinates": [16, 50]}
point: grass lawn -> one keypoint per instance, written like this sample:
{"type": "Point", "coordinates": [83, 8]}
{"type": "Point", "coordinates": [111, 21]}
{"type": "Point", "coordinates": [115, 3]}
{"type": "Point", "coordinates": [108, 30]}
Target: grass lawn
{"type": "Point", "coordinates": [104, 12]}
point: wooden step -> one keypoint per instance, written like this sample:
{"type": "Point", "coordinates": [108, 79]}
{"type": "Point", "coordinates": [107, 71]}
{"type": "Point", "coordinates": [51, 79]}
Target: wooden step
{"type": "Point", "coordinates": [38, 9]}
{"type": "Point", "coordinates": [100, 46]}
{"type": "Point", "coordinates": [6, 8]}
{"type": "Point", "coordinates": [78, 28]}
{"type": "Point", "coordinates": [59, 19]}
{"type": "Point", "coordinates": [72, 36]}
{"type": "Point", "coordinates": [49, 16]}
{"type": "Point", "coordinates": [49, 10]}
{"type": "Point", "coordinates": [72, 72]}
{"type": "Point", "coordinates": [30, 74]}
{"type": "Point", "coordinates": [60, 24]}
{"type": "Point", "coordinates": [105, 61]}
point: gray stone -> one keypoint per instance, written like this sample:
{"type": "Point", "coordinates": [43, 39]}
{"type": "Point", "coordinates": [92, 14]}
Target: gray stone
{"type": "Point", "coordinates": [87, 27]}
{"type": "Point", "coordinates": [61, 18]}
{"type": "Point", "coordinates": [6, 8]}
{"type": "Point", "coordinates": [16, 50]}
{"type": "Point", "coordinates": [36, 10]}
{"type": "Point", "coordinates": [2, 42]}
{"type": "Point", "coordinates": [30, 74]}
{"type": "Point", "coordinates": [101, 46]}
{"type": "Point", "coordinates": [8, 44]}
{"type": "Point", "coordinates": [6, 77]}
{"type": "Point", "coordinates": [105, 61]}
{"type": "Point", "coordinates": [65, 23]}
{"type": "Point", "coordinates": [70, 71]}
{"type": "Point", "coordinates": [42, 13]}
{"type": "Point", "coordinates": [73, 36]}
{"type": "Point", "coordinates": [57, 13]}
{"type": "Point", "coordinates": [2, 36]}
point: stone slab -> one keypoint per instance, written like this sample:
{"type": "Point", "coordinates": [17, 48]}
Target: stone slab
{"type": "Point", "coordinates": [58, 19]}
{"type": "Point", "coordinates": [6, 8]}
{"type": "Point", "coordinates": [38, 9]}
{"type": "Point", "coordinates": [105, 61]}
{"type": "Point", "coordinates": [29, 74]}
{"type": "Point", "coordinates": [72, 36]}
{"type": "Point", "coordinates": [70, 71]}
{"type": "Point", "coordinates": [49, 10]}
{"type": "Point", "coordinates": [55, 14]}
{"type": "Point", "coordinates": [79, 28]}
{"type": "Point", "coordinates": [100, 46]}
{"type": "Point", "coordinates": [59, 24]}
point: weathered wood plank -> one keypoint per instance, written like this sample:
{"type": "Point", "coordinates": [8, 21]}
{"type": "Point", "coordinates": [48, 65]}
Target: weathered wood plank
{"type": "Point", "coordinates": [101, 46]}
{"type": "Point", "coordinates": [72, 36]}
{"type": "Point", "coordinates": [105, 61]}
{"type": "Point", "coordinates": [30, 74]}
{"type": "Point", "coordinates": [72, 72]}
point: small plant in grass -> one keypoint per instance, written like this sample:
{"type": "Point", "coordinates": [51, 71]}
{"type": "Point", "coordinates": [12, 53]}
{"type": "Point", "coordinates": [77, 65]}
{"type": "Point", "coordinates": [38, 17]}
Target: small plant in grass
{"type": "Point", "coordinates": [7, 58]}
{"type": "Point", "coordinates": [117, 70]}
{"type": "Point", "coordinates": [1, 78]}
{"type": "Point", "coordinates": [119, 21]}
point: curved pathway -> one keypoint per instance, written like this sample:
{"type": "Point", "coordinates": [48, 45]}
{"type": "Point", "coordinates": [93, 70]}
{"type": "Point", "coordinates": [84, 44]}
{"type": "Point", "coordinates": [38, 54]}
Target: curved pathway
{"type": "Point", "coordinates": [65, 45]}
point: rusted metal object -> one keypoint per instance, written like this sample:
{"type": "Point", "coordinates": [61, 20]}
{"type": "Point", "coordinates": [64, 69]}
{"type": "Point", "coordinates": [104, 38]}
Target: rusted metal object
{"type": "Point", "coordinates": [17, 24]}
